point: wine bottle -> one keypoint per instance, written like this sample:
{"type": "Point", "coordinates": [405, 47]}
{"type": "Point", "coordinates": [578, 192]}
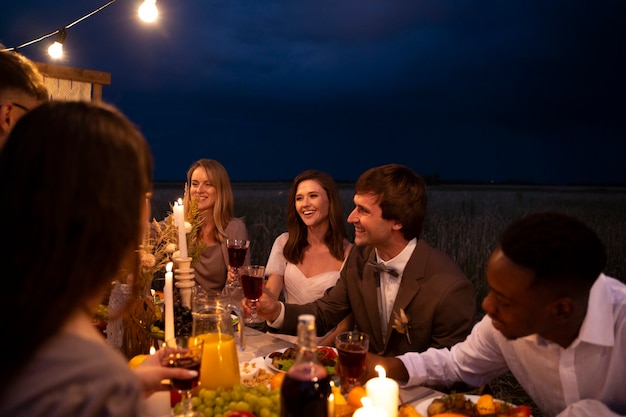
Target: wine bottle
{"type": "Point", "coordinates": [306, 387]}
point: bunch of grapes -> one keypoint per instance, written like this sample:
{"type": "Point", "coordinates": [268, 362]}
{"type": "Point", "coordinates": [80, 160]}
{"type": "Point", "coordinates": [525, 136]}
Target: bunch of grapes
{"type": "Point", "coordinates": [259, 400]}
{"type": "Point", "coordinates": [182, 319]}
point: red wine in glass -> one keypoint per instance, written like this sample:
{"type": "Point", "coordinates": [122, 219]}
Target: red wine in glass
{"type": "Point", "coordinates": [252, 286]}
{"type": "Point", "coordinates": [236, 256]}
{"type": "Point", "coordinates": [352, 359]}
{"type": "Point", "coordinates": [187, 363]}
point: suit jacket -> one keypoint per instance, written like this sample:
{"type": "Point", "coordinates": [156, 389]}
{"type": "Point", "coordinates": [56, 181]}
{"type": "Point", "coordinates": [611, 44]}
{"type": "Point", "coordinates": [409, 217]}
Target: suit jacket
{"type": "Point", "coordinates": [437, 297]}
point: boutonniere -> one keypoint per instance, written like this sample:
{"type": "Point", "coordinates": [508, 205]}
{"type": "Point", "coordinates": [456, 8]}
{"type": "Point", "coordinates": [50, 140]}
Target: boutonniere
{"type": "Point", "coordinates": [401, 324]}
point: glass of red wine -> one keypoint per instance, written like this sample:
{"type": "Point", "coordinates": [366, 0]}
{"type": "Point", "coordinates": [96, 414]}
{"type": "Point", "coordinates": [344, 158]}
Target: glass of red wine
{"type": "Point", "coordinates": [252, 281]}
{"type": "Point", "coordinates": [351, 348]}
{"type": "Point", "coordinates": [184, 352]}
{"type": "Point", "coordinates": [237, 250]}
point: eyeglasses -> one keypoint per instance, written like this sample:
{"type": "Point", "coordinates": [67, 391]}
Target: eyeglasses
{"type": "Point", "coordinates": [18, 105]}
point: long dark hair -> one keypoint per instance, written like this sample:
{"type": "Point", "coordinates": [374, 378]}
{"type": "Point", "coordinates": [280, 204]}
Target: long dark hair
{"type": "Point", "coordinates": [73, 181]}
{"type": "Point", "coordinates": [334, 239]}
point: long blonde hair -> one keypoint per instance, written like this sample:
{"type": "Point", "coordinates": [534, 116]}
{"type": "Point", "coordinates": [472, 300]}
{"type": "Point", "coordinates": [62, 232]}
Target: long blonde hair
{"type": "Point", "coordinates": [223, 211]}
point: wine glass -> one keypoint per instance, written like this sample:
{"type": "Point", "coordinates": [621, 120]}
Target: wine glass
{"type": "Point", "coordinates": [185, 352]}
{"type": "Point", "coordinates": [252, 280]}
{"type": "Point", "coordinates": [352, 347]}
{"type": "Point", "coordinates": [237, 250]}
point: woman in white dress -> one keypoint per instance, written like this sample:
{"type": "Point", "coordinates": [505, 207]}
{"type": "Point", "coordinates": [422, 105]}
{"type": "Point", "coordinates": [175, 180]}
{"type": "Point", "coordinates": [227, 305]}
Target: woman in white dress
{"type": "Point", "coordinates": [305, 261]}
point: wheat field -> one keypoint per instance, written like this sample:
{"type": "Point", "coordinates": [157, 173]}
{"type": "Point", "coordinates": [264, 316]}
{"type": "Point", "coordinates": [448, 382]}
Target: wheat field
{"type": "Point", "coordinates": [462, 221]}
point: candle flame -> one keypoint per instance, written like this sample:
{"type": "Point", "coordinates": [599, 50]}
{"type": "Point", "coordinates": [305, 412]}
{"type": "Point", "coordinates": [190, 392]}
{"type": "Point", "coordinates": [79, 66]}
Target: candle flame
{"type": "Point", "coordinates": [381, 371]}
{"type": "Point", "coordinates": [169, 266]}
{"type": "Point", "coordinates": [152, 350]}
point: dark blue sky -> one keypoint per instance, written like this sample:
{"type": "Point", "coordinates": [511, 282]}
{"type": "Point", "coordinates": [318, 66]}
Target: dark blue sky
{"type": "Point", "coordinates": [522, 90]}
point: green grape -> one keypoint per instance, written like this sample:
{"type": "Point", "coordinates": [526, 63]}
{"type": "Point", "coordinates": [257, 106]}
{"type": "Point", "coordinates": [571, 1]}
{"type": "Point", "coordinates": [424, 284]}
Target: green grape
{"type": "Point", "coordinates": [262, 402]}
{"type": "Point", "coordinates": [226, 397]}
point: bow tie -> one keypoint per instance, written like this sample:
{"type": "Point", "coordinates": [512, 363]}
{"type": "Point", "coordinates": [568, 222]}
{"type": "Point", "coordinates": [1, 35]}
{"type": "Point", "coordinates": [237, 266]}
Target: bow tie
{"type": "Point", "coordinates": [383, 268]}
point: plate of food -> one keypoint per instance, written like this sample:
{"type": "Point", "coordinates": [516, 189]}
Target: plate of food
{"type": "Point", "coordinates": [282, 359]}
{"type": "Point", "coordinates": [472, 406]}
{"type": "Point", "coordinates": [255, 372]}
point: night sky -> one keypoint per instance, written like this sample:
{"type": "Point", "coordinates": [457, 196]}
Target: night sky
{"type": "Point", "coordinates": [515, 90]}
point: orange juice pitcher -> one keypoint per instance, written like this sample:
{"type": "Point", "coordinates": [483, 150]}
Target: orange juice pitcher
{"type": "Point", "coordinates": [212, 322]}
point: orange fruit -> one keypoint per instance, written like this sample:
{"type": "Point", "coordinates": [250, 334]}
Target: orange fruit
{"type": "Point", "coordinates": [355, 395]}
{"type": "Point", "coordinates": [277, 380]}
{"type": "Point", "coordinates": [136, 361]}
{"type": "Point", "coordinates": [485, 404]}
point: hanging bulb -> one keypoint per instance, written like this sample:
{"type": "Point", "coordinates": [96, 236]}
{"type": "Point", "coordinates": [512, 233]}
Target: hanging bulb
{"type": "Point", "coordinates": [56, 49]}
{"type": "Point", "coordinates": [148, 11]}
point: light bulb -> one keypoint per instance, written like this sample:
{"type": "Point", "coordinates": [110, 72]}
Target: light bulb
{"type": "Point", "coordinates": [148, 11]}
{"type": "Point", "coordinates": [56, 50]}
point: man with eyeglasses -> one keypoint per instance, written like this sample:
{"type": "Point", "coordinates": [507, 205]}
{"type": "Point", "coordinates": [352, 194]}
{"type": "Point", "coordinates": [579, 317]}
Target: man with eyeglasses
{"type": "Point", "coordinates": [22, 88]}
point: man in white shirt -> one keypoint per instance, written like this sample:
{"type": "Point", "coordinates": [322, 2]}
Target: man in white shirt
{"type": "Point", "coordinates": [553, 319]}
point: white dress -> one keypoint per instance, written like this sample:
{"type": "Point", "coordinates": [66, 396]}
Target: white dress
{"type": "Point", "coordinates": [298, 288]}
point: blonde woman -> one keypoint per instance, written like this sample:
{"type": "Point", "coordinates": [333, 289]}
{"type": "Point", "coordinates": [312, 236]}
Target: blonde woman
{"type": "Point", "coordinates": [209, 184]}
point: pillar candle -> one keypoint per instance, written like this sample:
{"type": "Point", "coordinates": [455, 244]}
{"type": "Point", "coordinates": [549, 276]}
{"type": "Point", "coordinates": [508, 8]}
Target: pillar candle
{"type": "Point", "coordinates": [168, 293]}
{"type": "Point", "coordinates": [369, 410]}
{"type": "Point", "coordinates": [179, 219]}
{"type": "Point", "coordinates": [384, 392]}
{"type": "Point", "coordinates": [158, 404]}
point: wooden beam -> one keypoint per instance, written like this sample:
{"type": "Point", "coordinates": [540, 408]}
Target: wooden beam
{"type": "Point", "coordinates": [76, 74]}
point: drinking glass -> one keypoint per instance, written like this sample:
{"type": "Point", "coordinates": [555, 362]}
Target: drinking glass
{"type": "Point", "coordinates": [237, 250]}
{"type": "Point", "coordinates": [351, 347]}
{"type": "Point", "coordinates": [252, 280]}
{"type": "Point", "coordinates": [185, 352]}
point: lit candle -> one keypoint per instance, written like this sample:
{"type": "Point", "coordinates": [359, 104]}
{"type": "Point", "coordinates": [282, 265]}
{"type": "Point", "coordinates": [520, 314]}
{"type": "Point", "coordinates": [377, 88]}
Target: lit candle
{"type": "Point", "coordinates": [369, 410]}
{"type": "Point", "coordinates": [179, 219]}
{"type": "Point", "coordinates": [384, 392]}
{"type": "Point", "coordinates": [168, 293]}
{"type": "Point", "coordinates": [159, 403]}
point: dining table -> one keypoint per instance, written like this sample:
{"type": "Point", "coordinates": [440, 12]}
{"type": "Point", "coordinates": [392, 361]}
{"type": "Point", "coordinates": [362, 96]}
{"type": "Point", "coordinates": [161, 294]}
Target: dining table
{"type": "Point", "coordinates": [261, 344]}
{"type": "Point", "coordinates": [258, 344]}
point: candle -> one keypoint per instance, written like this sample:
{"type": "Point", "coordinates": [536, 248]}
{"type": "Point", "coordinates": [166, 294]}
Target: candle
{"type": "Point", "coordinates": [179, 219]}
{"type": "Point", "coordinates": [168, 293]}
{"type": "Point", "coordinates": [369, 410]}
{"type": "Point", "coordinates": [384, 392]}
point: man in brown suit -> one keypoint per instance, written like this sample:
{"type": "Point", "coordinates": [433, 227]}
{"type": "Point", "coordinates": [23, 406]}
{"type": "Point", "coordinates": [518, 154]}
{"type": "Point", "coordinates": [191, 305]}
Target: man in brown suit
{"type": "Point", "coordinates": [405, 294]}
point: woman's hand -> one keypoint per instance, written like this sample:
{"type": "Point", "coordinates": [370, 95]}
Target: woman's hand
{"type": "Point", "coordinates": [151, 373]}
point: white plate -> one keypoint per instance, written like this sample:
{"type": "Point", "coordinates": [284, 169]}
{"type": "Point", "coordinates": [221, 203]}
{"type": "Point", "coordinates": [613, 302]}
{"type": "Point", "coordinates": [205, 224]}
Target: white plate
{"type": "Point", "coordinates": [268, 360]}
{"type": "Point", "coordinates": [422, 406]}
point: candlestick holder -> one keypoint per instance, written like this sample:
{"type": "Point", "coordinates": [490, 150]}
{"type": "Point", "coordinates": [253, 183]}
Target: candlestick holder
{"type": "Point", "coordinates": [184, 280]}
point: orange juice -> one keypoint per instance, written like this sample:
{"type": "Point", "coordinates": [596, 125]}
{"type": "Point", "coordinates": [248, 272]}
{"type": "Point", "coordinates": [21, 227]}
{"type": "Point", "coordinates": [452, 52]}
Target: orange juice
{"type": "Point", "coordinates": [220, 365]}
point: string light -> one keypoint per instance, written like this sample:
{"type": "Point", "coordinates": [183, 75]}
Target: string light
{"type": "Point", "coordinates": [148, 12]}
{"type": "Point", "coordinates": [56, 49]}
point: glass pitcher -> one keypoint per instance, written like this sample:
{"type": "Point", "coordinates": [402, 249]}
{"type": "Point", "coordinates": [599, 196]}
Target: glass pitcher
{"type": "Point", "coordinates": [212, 322]}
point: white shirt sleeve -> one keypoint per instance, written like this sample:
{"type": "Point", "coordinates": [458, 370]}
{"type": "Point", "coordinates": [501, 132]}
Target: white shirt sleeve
{"type": "Point", "coordinates": [279, 320]}
{"type": "Point", "coordinates": [588, 408]}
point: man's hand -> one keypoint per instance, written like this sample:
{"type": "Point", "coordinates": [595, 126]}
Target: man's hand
{"type": "Point", "coordinates": [267, 308]}
{"type": "Point", "coordinates": [394, 368]}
